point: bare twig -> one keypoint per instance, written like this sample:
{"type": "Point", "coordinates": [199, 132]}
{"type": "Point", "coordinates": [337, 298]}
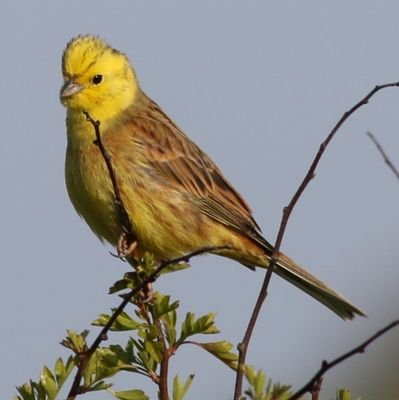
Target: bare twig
{"type": "Point", "coordinates": [243, 346]}
{"type": "Point", "coordinates": [325, 366]}
{"type": "Point", "coordinates": [126, 224]}
{"type": "Point", "coordinates": [75, 388]}
{"type": "Point", "coordinates": [384, 154]}
{"type": "Point", "coordinates": [164, 367]}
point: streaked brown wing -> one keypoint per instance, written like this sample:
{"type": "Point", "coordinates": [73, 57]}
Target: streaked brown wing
{"type": "Point", "coordinates": [186, 167]}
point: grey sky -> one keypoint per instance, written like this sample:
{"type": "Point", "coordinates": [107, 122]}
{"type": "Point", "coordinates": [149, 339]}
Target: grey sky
{"type": "Point", "coordinates": [258, 85]}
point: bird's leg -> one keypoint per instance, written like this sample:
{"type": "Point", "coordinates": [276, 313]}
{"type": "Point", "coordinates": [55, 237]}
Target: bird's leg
{"type": "Point", "coordinates": [126, 245]}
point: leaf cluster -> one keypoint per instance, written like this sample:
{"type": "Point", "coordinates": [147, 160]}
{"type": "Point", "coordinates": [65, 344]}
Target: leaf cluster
{"type": "Point", "coordinates": [154, 335]}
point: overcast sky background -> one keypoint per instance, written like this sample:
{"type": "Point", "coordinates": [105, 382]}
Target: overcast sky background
{"type": "Point", "coordinates": [258, 85]}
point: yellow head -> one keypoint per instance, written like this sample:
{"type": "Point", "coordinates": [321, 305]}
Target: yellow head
{"type": "Point", "coordinates": [97, 78]}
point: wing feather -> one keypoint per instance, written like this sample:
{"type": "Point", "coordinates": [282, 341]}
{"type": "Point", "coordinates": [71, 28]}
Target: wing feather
{"type": "Point", "coordinates": [184, 166]}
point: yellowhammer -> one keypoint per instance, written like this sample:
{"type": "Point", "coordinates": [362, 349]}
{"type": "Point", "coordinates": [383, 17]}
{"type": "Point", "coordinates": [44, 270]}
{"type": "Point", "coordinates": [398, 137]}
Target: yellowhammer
{"type": "Point", "coordinates": [177, 199]}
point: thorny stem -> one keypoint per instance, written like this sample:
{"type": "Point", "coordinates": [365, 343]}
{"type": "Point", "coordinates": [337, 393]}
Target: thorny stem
{"type": "Point", "coordinates": [384, 154]}
{"type": "Point", "coordinates": [123, 215]}
{"type": "Point", "coordinates": [243, 346]}
{"type": "Point", "coordinates": [325, 366]}
{"type": "Point", "coordinates": [163, 374]}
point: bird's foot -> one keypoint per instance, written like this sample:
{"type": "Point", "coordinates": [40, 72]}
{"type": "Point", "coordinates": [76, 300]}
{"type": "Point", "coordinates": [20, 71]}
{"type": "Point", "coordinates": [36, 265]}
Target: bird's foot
{"type": "Point", "coordinates": [125, 246]}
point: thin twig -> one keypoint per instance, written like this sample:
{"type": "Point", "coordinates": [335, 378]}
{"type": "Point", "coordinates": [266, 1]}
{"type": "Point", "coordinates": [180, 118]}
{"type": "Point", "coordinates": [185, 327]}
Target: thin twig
{"type": "Point", "coordinates": [75, 388]}
{"type": "Point", "coordinates": [243, 346]}
{"type": "Point", "coordinates": [325, 366]}
{"type": "Point", "coordinates": [384, 154]}
{"type": "Point", "coordinates": [126, 224]}
{"type": "Point", "coordinates": [164, 367]}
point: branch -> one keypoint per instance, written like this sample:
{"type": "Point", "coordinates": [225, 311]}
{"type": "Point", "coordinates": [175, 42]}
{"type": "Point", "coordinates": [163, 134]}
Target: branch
{"type": "Point", "coordinates": [243, 346]}
{"type": "Point", "coordinates": [164, 367]}
{"type": "Point", "coordinates": [384, 155]}
{"type": "Point", "coordinates": [123, 215]}
{"type": "Point", "coordinates": [325, 366]}
{"type": "Point", "coordinates": [103, 335]}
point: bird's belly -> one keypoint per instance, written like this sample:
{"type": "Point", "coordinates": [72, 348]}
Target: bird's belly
{"type": "Point", "coordinates": [164, 221]}
{"type": "Point", "coordinates": [91, 194]}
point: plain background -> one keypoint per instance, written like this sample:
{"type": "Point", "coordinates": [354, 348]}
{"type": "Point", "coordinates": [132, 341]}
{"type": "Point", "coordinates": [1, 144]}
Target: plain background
{"type": "Point", "coordinates": [258, 85]}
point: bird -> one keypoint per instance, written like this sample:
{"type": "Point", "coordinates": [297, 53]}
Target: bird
{"type": "Point", "coordinates": [176, 198]}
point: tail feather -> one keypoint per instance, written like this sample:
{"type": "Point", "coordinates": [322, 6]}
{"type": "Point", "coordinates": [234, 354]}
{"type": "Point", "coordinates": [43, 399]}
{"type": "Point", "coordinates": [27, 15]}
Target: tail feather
{"type": "Point", "coordinates": [290, 271]}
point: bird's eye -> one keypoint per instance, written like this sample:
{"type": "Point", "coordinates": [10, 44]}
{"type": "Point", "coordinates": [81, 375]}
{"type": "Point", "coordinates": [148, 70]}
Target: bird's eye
{"type": "Point", "coordinates": [97, 79]}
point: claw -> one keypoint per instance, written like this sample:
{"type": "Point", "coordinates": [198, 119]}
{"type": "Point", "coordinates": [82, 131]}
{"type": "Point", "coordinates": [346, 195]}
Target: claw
{"type": "Point", "coordinates": [125, 247]}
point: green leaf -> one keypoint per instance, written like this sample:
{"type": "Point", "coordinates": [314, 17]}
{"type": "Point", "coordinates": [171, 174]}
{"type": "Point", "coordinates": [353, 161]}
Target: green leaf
{"type": "Point", "coordinates": [133, 355]}
{"type": "Point", "coordinates": [154, 349]}
{"type": "Point", "coordinates": [103, 363]}
{"type": "Point", "coordinates": [150, 333]}
{"type": "Point", "coordinates": [257, 381]}
{"type": "Point", "coordinates": [175, 268]}
{"type": "Point", "coordinates": [222, 351]}
{"type": "Point", "coordinates": [123, 322]}
{"type": "Point", "coordinates": [250, 374]}
{"type": "Point", "coordinates": [62, 371]}
{"type": "Point", "coordinates": [263, 389]}
{"type": "Point", "coordinates": [344, 394]}
{"type": "Point", "coordinates": [148, 362]}
{"type": "Point", "coordinates": [47, 380]}
{"type": "Point", "coordinates": [130, 281]}
{"type": "Point", "coordinates": [133, 344]}
{"type": "Point", "coordinates": [180, 389]}
{"type": "Point", "coordinates": [148, 265]}
{"type": "Point", "coordinates": [131, 395]}
{"type": "Point", "coordinates": [76, 341]}
{"type": "Point", "coordinates": [101, 385]}
{"type": "Point", "coordinates": [169, 320]}
{"type": "Point", "coordinates": [126, 357]}
{"type": "Point", "coordinates": [280, 392]}
{"type": "Point", "coordinates": [191, 326]}
{"type": "Point", "coordinates": [122, 284]}
{"type": "Point", "coordinates": [260, 383]}
{"type": "Point", "coordinates": [31, 391]}
{"type": "Point", "coordinates": [26, 391]}
{"type": "Point", "coordinates": [107, 362]}
{"type": "Point", "coordinates": [162, 305]}
{"type": "Point", "coordinates": [89, 372]}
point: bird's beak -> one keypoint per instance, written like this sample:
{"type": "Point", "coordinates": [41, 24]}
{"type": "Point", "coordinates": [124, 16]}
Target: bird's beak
{"type": "Point", "coordinates": [69, 89]}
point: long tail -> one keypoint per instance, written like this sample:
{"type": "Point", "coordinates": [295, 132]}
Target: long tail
{"type": "Point", "coordinates": [290, 271]}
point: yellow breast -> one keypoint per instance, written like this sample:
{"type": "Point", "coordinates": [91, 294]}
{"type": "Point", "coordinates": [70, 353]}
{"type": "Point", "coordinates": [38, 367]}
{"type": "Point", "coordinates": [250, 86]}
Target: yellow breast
{"type": "Point", "coordinates": [90, 190]}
